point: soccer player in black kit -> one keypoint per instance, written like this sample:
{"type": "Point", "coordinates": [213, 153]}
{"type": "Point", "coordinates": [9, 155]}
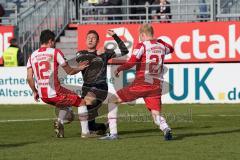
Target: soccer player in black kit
{"type": "Point", "coordinates": [95, 85]}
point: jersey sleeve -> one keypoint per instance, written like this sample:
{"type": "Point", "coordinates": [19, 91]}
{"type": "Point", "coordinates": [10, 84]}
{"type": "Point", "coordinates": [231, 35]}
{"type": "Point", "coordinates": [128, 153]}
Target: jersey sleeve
{"type": "Point", "coordinates": [61, 60]}
{"type": "Point", "coordinates": [29, 63]}
{"type": "Point", "coordinates": [139, 50]}
{"type": "Point", "coordinates": [168, 47]}
{"type": "Point", "coordinates": [123, 49]}
{"type": "Point", "coordinates": [129, 64]}
{"type": "Point", "coordinates": [136, 55]}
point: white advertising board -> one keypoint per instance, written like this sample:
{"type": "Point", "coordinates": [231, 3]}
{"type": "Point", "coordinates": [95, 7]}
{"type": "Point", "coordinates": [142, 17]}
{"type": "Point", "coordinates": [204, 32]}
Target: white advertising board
{"type": "Point", "coordinates": [191, 83]}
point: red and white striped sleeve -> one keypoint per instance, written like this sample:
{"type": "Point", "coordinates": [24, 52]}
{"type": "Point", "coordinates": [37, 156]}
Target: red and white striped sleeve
{"type": "Point", "coordinates": [169, 48]}
{"type": "Point", "coordinates": [60, 58]}
{"type": "Point", "coordinates": [136, 55]}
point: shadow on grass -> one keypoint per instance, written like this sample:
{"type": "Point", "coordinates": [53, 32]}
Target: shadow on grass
{"type": "Point", "coordinates": [152, 130]}
{"type": "Point", "coordinates": [182, 136]}
{"type": "Point", "coordinates": [12, 145]}
{"type": "Point", "coordinates": [139, 131]}
{"type": "Point", "coordinates": [152, 133]}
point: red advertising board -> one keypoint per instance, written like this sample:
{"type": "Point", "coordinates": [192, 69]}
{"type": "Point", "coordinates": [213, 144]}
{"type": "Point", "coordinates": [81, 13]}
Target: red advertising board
{"type": "Point", "coordinates": [193, 42]}
{"type": "Point", "coordinates": [6, 33]}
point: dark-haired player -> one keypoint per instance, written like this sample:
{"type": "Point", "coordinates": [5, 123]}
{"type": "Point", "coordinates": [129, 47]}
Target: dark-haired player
{"type": "Point", "coordinates": [43, 66]}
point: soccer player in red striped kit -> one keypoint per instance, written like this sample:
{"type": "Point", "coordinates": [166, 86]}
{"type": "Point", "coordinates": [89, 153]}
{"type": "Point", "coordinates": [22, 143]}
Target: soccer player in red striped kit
{"type": "Point", "coordinates": [148, 57]}
{"type": "Point", "coordinates": [43, 65]}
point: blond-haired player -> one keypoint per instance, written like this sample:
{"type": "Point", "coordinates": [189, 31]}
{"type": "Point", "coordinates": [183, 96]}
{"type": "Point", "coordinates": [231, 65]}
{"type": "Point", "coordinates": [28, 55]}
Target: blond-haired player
{"type": "Point", "coordinates": [148, 57]}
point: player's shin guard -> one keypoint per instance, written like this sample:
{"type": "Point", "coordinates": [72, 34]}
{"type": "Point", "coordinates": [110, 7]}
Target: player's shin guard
{"type": "Point", "coordinates": [83, 117]}
{"type": "Point", "coordinates": [112, 118]}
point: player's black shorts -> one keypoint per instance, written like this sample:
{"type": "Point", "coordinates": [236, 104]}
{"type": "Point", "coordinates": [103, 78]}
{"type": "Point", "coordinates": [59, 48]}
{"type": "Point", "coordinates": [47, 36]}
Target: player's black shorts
{"type": "Point", "coordinates": [100, 90]}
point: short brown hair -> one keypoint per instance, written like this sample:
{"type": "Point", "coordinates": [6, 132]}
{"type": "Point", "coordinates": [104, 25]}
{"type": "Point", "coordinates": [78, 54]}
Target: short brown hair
{"type": "Point", "coordinates": [46, 35]}
{"type": "Point", "coordinates": [93, 32]}
{"type": "Point", "coordinates": [147, 29]}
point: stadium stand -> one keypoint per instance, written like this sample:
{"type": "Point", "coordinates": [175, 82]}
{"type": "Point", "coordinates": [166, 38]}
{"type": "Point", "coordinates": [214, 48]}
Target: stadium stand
{"type": "Point", "coordinates": [17, 8]}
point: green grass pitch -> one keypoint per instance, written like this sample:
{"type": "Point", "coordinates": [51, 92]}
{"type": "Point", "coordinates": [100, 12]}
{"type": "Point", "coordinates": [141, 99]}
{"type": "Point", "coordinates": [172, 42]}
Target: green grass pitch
{"type": "Point", "coordinates": [201, 132]}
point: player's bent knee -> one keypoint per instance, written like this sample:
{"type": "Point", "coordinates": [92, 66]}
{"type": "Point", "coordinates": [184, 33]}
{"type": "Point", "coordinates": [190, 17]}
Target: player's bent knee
{"type": "Point", "coordinates": [90, 99]}
{"type": "Point", "coordinates": [114, 99]}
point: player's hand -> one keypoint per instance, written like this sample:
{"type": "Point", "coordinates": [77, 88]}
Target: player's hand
{"type": "Point", "coordinates": [101, 51]}
{"type": "Point", "coordinates": [110, 32]}
{"type": "Point", "coordinates": [36, 96]}
{"type": "Point", "coordinates": [116, 73]}
{"type": "Point", "coordinates": [83, 65]}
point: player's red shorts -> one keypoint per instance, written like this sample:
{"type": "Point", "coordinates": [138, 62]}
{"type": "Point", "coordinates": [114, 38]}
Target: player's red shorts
{"type": "Point", "coordinates": [149, 92]}
{"type": "Point", "coordinates": [64, 98]}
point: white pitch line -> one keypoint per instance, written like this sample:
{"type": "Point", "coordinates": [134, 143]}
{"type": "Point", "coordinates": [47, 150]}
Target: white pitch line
{"type": "Point", "coordinates": [204, 115]}
{"type": "Point", "coordinates": [220, 115]}
{"type": "Point", "coordinates": [26, 120]}
{"type": "Point", "coordinates": [48, 119]}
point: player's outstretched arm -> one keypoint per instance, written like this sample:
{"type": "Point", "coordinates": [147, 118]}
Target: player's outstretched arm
{"type": "Point", "coordinates": [61, 60]}
{"type": "Point", "coordinates": [71, 71]}
{"type": "Point", "coordinates": [121, 45]}
{"type": "Point", "coordinates": [129, 64]}
{"type": "Point", "coordinates": [136, 55]}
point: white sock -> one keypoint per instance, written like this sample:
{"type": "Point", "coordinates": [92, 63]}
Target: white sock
{"type": "Point", "coordinates": [82, 111]}
{"type": "Point", "coordinates": [112, 117]}
{"type": "Point", "coordinates": [162, 122]}
{"type": "Point", "coordinates": [61, 116]}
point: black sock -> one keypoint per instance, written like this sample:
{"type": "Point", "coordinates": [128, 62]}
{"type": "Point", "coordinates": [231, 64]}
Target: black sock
{"type": "Point", "coordinates": [92, 125]}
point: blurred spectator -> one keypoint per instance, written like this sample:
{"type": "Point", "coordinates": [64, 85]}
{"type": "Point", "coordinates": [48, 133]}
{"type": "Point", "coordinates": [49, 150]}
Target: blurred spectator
{"type": "Point", "coordinates": [113, 11]}
{"type": "Point", "coordinates": [139, 10]}
{"type": "Point", "coordinates": [77, 4]}
{"type": "Point", "coordinates": [89, 9]}
{"type": "Point", "coordinates": [2, 12]}
{"type": "Point", "coordinates": [162, 12]}
{"type": "Point", "coordinates": [100, 11]}
{"type": "Point", "coordinates": [203, 9]}
{"type": "Point", "coordinates": [12, 56]}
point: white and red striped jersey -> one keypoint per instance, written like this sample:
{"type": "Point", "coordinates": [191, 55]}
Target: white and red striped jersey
{"type": "Point", "coordinates": [148, 57]}
{"type": "Point", "coordinates": [45, 63]}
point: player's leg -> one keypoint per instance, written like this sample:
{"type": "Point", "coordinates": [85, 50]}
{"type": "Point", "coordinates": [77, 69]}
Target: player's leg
{"type": "Point", "coordinates": [64, 115]}
{"type": "Point", "coordinates": [112, 117]}
{"type": "Point", "coordinates": [89, 96]}
{"type": "Point", "coordinates": [125, 94]}
{"type": "Point", "coordinates": [69, 117]}
{"type": "Point", "coordinates": [154, 105]}
{"type": "Point", "coordinates": [68, 98]}
{"type": "Point", "coordinates": [94, 127]}
{"type": "Point", "coordinates": [90, 99]}
{"type": "Point", "coordinates": [58, 123]}
{"type": "Point", "coordinates": [95, 95]}
{"type": "Point", "coordinates": [161, 122]}
{"type": "Point", "coordinates": [101, 92]}
{"type": "Point", "coordinates": [83, 117]}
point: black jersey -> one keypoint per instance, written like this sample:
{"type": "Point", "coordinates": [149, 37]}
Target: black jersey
{"type": "Point", "coordinates": [96, 73]}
